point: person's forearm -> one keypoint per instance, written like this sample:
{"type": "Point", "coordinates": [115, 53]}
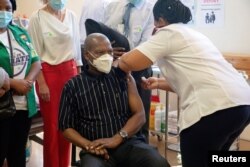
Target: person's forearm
{"type": "Point", "coordinates": [74, 137]}
{"type": "Point", "coordinates": [34, 71]}
{"type": "Point", "coordinates": [163, 84]}
{"type": "Point", "coordinates": [40, 78]}
{"type": "Point", "coordinates": [134, 124]}
{"type": "Point", "coordinates": [137, 119]}
{"type": "Point", "coordinates": [133, 61]}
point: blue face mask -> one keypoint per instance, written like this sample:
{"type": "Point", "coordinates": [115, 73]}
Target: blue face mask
{"type": "Point", "coordinates": [135, 2]}
{"type": "Point", "coordinates": [5, 18]}
{"type": "Point", "coordinates": [57, 4]}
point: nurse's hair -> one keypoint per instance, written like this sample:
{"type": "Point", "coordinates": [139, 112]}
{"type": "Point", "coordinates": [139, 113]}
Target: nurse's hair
{"type": "Point", "coordinates": [13, 3]}
{"type": "Point", "coordinates": [172, 11]}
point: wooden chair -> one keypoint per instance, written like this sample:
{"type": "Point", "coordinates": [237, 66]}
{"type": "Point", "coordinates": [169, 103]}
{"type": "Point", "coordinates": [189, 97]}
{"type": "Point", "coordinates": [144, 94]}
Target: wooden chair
{"type": "Point", "coordinates": [36, 127]}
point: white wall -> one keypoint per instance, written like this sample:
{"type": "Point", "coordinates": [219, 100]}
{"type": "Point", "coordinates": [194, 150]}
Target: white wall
{"type": "Point", "coordinates": [235, 35]}
{"type": "Point", "coordinates": [27, 7]}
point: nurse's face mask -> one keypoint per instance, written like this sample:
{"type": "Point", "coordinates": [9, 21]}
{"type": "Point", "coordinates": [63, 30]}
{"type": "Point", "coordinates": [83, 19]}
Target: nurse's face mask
{"type": "Point", "coordinates": [57, 4]}
{"type": "Point", "coordinates": [102, 63]}
{"type": "Point", "coordinates": [5, 18]}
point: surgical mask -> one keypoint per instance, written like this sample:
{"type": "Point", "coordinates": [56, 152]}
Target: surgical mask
{"type": "Point", "coordinates": [57, 4]}
{"type": "Point", "coordinates": [135, 2]}
{"type": "Point", "coordinates": [102, 63]}
{"type": "Point", "coordinates": [5, 18]}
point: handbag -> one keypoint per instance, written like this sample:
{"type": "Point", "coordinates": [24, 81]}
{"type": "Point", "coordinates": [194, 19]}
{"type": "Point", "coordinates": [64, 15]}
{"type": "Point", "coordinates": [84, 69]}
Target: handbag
{"type": "Point", "coordinates": [7, 105]}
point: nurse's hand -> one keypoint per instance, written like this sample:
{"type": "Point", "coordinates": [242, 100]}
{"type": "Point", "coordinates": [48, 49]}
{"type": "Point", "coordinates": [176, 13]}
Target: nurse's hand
{"type": "Point", "coordinates": [150, 83]}
{"type": "Point", "coordinates": [118, 52]}
{"type": "Point", "coordinates": [156, 83]}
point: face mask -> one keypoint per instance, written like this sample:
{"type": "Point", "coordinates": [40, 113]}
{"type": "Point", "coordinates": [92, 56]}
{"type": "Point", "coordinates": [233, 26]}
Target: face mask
{"type": "Point", "coordinates": [102, 63]}
{"type": "Point", "coordinates": [5, 18]}
{"type": "Point", "coordinates": [135, 2]}
{"type": "Point", "coordinates": [57, 4]}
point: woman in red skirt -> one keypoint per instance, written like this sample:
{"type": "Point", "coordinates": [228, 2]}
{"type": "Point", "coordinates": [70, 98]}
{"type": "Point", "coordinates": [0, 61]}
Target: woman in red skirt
{"type": "Point", "coordinates": [55, 35]}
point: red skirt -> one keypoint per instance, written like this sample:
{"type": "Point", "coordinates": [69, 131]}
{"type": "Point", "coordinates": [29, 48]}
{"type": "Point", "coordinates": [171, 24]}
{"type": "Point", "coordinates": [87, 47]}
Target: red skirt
{"type": "Point", "coordinates": [56, 150]}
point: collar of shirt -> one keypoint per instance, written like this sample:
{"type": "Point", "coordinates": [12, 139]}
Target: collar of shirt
{"type": "Point", "coordinates": [138, 6]}
{"type": "Point", "coordinates": [114, 71]}
{"type": "Point", "coordinates": [94, 77]}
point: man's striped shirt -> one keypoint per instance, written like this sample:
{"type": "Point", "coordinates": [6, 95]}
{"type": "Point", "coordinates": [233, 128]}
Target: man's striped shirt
{"type": "Point", "coordinates": [95, 106]}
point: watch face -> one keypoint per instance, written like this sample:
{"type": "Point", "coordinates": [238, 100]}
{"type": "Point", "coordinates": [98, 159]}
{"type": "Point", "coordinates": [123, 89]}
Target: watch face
{"type": "Point", "coordinates": [123, 134]}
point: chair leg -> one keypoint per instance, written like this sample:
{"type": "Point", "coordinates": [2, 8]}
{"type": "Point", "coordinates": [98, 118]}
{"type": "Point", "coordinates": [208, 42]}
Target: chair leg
{"type": "Point", "coordinates": [73, 155]}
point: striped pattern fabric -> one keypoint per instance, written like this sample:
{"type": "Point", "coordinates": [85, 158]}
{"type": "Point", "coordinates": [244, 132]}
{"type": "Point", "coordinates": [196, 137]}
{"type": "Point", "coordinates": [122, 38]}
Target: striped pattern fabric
{"type": "Point", "coordinates": [95, 106]}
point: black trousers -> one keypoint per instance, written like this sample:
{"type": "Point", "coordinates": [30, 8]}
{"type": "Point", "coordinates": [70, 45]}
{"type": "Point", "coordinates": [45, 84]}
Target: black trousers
{"type": "Point", "coordinates": [13, 137]}
{"type": "Point", "coordinates": [145, 96]}
{"type": "Point", "coordinates": [215, 132]}
{"type": "Point", "coordinates": [132, 153]}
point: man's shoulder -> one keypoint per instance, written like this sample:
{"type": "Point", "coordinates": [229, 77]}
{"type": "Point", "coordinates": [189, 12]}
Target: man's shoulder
{"type": "Point", "coordinates": [74, 80]}
{"type": "Point", "coordinates": [118, 73]}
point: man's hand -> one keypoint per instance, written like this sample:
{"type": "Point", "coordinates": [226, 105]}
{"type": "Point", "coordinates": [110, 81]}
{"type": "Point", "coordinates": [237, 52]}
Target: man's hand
{"type": "Point", "coordinates": [112, 142]}
{"type": "Point", "coordinates": [97, 148]}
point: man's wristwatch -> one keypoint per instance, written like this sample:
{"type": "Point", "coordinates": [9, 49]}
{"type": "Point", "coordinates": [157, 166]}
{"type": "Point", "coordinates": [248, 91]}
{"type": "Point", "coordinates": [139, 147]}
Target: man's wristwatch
{"type": "Point", "coordinates": [124, 135]}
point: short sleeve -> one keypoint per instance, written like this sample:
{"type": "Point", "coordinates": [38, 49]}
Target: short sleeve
{"type": "Point", "coordinates": [35, 32]}
{"type": "Point", "coordinates": [67, 108]}
{"type": "Point", "coordinates": [157, 46]}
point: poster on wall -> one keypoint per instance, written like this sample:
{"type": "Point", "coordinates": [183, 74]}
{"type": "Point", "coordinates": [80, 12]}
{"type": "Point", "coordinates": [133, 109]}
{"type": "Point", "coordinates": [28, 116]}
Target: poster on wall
{"type": "Point", "coordinates": [210, 13]}
{"type": "Point", "coordinates": [191, 5]}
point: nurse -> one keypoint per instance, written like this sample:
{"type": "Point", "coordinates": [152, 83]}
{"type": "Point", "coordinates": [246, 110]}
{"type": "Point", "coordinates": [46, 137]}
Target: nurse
{"type": "Point", "coordinates": [214, 97]}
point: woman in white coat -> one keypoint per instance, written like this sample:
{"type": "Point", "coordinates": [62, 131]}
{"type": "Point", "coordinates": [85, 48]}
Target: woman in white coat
{"type": "Point", "coordinates": [214, 97]}
{"type": "Point", "coordinates": [55, 35]}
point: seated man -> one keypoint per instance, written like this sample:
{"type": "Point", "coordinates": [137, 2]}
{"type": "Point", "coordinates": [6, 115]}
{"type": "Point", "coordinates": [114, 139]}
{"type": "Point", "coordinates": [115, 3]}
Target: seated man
{"type": "Point", "coordinates": [101, 112]}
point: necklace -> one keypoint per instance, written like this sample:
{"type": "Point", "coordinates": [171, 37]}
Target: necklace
{"type": "Point", "coordinates": [58, 14]}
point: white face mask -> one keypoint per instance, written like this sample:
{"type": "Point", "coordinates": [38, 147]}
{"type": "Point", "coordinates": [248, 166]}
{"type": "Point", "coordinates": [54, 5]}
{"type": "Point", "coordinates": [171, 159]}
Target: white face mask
{"type": "Point", "coordinates": [102, 63]}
